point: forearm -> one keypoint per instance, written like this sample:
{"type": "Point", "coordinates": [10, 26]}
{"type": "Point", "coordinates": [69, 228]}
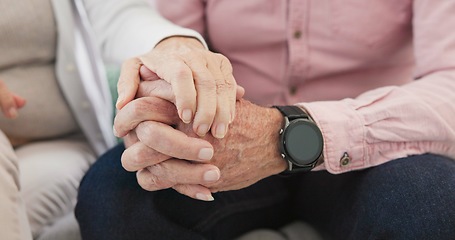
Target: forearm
{"type": "Point", "coordinates": [129, 28]}
{"type": "Point", "coordinates": [389, 123]}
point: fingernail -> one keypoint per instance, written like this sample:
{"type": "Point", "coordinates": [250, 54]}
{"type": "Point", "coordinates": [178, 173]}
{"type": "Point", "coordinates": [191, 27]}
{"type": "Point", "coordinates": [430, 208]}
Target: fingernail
{"type": "Point", "coordinates": [204, 197]}
{"type": "Point", "coordinates": [220, 130]}
{"type": "Point", "coordinates": [202, 129]}
{"type": "Point", "coordinates": [211, 176]}
{"type": "Point", "coordinates": [206, 154]}
{"type": "Point", "coordinates": [187, 115]}
{"type": "Point", "coordinates": [13, 112]}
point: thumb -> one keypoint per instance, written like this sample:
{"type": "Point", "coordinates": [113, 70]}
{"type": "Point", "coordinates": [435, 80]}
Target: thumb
{"type": "Point", "coordinates": [147, 74]}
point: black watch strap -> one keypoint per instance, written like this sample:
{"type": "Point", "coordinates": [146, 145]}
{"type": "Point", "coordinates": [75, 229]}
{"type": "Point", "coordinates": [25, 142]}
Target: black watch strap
{"type": "Point", "coordinates": [292, 112]}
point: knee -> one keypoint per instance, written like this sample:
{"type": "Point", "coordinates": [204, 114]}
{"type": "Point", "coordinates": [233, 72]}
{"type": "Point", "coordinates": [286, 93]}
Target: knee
{"type": "Point", "coordinates": [410, 197]}
{"type": "Point", "coordinates": [416, 178]}
{"type": "Point", "coordinates": [99, 184]}
{"type": "Point", "coordinates": [102, 178]}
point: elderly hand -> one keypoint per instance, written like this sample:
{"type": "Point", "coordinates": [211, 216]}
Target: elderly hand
{"type": "Point", "coordinates": [10, 102]}
{"type": "Point", "coordinates": [155, 143]}
{"type": "Point", "coordinates": [250, 151]}
{"type": "Point", "coordinates": [247, 154]}
{"type": "Point", "coordinates": [201, 81]}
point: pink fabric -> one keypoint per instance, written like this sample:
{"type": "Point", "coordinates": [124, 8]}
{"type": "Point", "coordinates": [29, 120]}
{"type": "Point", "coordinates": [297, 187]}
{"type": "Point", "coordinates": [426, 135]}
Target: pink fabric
{"type": "Point", "coordinates": [377, 76]}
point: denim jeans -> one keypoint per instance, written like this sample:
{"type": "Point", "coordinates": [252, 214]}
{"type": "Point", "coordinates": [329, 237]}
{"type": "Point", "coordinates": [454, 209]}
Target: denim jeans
{"type": "Point", "coordinates": [409, 198]}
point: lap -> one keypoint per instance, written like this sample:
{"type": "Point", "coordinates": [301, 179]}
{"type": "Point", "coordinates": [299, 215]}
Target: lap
{"type": "Point", "coordinates": [108, 188]}
{"type": "Point", "coordinates": [50, 172]}
{"type": "Point", "coordinates": [410, 197]}
{"type": "Point", "coordinates": [13, 219]}
{"type": "Point", "coordinates": [359, 202]}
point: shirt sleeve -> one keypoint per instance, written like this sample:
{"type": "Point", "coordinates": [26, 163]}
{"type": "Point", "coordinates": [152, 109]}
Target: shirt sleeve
{"type": "Point", "coordinates": [186, 13]}
{"type": "Point", "coordinates": [397, 121]}
{"type": "Point", "coordinates": [130, 28]}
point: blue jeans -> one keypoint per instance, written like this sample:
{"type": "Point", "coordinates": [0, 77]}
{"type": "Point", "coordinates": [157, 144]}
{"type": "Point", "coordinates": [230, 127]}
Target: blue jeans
{"type": "Point", "coordinates": [409, 198]}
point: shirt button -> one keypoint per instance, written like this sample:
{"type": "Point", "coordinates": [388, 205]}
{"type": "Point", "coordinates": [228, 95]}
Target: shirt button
{"type": "Point", "coordinates": [345, 159]}
{"type": "Point", "coordinates": [293, 90]}
{"type": "Point", "coordinates": [297, 34]}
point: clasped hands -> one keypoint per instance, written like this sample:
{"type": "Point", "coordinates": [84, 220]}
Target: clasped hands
{"type": "Point", "coordinates": [176, 104]}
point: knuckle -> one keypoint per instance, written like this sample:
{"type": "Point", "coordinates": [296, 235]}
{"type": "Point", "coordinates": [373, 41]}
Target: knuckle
{"type": "Point", "coordinates": [225, 63]}
{"type": "Point", "coordinates": [133, 61]}
{"type": "Point", "coordinates": [148, 181]}
{"type": "Point", "coordinates": [151, 129]}
{"type": "Point", "coordinates": [152, 136]}
{"type": "Point", "coordinates": [180, 71]}
{"type": "Point", "coordinates": [139, 107]}
{"type": "Point", "coordinates": [221, 57]}
{"type": "Point", "coordinates": [224, 85]}
{"type": "Point", "coordinates": [189, 56]}
{"type": "Point", "coordinates": [144, 129]}
{"type": "Point", "coordinates": [158, 177]}
{"type": "Point", "coordinates": [207, 81]}
{"type": "Point", "coordinates": [149, 88]}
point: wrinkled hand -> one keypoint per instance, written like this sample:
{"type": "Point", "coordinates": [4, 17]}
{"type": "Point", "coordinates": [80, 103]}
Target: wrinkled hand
{"type": "Point", "coordinates": [201, 81]}
{"type": "Point", "coordinates": [156, 145]}
{"type": "Point", "coordinates": [156, 149]}
{"type": "Point", "coordinates": [10, 102]}
{"type": "Point", "coordinates": [247, 154]}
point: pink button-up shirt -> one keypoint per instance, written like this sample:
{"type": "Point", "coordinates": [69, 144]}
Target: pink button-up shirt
{"type": "Point", "coordinates": [377, 76]}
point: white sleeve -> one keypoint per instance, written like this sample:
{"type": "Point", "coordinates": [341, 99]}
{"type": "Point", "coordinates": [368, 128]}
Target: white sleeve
{"type": "Point", "coordinates": [127, 28]}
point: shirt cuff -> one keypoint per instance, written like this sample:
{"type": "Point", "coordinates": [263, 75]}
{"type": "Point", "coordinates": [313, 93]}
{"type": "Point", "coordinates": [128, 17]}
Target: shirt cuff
{"type": "Point", "coordinates": [344, 135]}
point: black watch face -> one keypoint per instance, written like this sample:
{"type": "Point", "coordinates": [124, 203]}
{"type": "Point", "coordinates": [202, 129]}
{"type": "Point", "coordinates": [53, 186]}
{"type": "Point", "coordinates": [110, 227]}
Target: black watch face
{"type": "Point", "coordinates": [303, 142]}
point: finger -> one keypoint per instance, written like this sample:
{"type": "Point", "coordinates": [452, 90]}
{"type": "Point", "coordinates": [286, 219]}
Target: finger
{"type": "Point", "coordinates": [194, 191]}
{"type": "Point", "coordinates": [175, 172]}
{"type": "Point", "coordinates": [226, 96]}
{"type": "Point", "coordinates": [130, 139]}
{"type": "Point", "coordinates": [147, 74]}
{"type": "Point", "coordinates": [179, 75]}
{"type": "Point", "coordinates": [156, 88]}
{"type": "Point", "coordinates": [139, 156]}
{"type": "Point", "coordinates": [128, 82]}
{"type": "Point", "coordinates": [142, 109]}
{"type": "Point", "coordinates": [169, 141]}
{"type": "Point", "coordinates": [7, 103]}
{"type": "Point", "coordinates": [205, 82]}
{"type": "Point", "coordinates": [240, 92]}
{"type": "Point", "coordinates": [19, 101]}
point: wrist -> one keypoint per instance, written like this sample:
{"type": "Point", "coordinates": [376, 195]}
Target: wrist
{"type": "Point", "coordinates": [274, 127]}
{"type": "Point", "coordinates": [301, 141]}
{"type": "Point", "coordinates": [260, 131]}
{"type": "Point", "coordinates": [178, 41]}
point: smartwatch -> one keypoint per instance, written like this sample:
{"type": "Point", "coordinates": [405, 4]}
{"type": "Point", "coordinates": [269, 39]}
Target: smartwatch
{"type": "Point", "coordinates": [301, 140]}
